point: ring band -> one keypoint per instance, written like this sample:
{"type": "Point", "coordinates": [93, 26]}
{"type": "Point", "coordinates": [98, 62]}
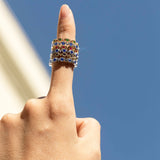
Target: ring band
{"type": "Point", "coordinates": [64, 50]}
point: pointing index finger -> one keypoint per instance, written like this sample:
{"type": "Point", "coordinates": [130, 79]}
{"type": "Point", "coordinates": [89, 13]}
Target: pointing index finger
{"type": "Point", "coordinates": [62, 73]}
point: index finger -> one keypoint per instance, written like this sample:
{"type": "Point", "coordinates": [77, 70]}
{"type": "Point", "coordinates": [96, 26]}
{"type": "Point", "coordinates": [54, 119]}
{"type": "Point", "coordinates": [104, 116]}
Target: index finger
{"type": "Point", "coordinates": [62, 73]}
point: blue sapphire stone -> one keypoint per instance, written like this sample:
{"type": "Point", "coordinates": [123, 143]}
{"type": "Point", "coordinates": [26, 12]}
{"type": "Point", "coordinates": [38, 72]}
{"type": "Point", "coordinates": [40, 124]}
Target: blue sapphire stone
{"type": "Point", "coordinates": [62, 59]}
{"type": "Point", "coordinates": [63, 43]}
{"type": "Point", "coordinates": [55, 59]}
{"type": "Point", "coordinates": [69, 60]}
{"type": "Point", "coordinates": [64, 50]}
{"type": "Point", "coordinates": [70, 44]}
{"type": "Point", "coordinates": [56, 50]}
{"type": "Point", "coordinates": [71, 52]}
{"type": "Point", "coordinates": [55, 43]}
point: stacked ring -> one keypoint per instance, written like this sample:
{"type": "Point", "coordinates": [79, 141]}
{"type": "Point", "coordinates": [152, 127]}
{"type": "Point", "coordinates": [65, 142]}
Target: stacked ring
{"type": "Point", "coordinates": [64, 50]}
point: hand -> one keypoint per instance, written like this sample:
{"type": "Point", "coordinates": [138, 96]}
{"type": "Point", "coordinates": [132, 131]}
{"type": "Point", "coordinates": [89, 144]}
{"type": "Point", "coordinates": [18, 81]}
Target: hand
{"type": "Point", "coordinates": [47, 129]}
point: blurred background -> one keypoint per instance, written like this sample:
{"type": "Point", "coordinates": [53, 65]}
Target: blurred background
{"type": "Point", "coordinates": [118, 77]}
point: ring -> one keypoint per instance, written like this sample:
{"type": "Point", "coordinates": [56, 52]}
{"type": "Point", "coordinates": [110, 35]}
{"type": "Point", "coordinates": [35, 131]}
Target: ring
{"type": "Point", "coordinates": [64, 50]}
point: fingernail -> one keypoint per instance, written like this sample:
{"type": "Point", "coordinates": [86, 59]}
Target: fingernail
{"type": "Point", "coordinates": [41, 97]}
{"type": "Point", "coordinates": [67, 6]}
{"type": "Point", "coordinates": [65, 11]}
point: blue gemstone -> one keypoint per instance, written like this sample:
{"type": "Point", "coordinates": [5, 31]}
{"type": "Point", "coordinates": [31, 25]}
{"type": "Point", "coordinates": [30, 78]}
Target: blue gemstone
{"type": "Point", "coordinates": [70, 44]}
{"type": "Point", "coordinates": [77, 47]}
{"type": "Point", "coordinates": [55, 43]}
{"type": "Point", "coordinates": [63, 43]}
{"type": "Point", "coordinates": [64, 50]}
{"type": "Point", "coordinates": [71, 52]}
{"type": "Point", "coordinates": [56, 50]}
{"type": "Point", "coordinates": [55, 59]}
{"type": "Point", "coordinates": [62, 59]}
{"type": "Point", "coordinates": [69, 60]}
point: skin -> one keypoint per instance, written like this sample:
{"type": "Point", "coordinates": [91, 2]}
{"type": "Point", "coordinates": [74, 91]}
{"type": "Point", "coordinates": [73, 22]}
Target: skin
{"type": "Point", "coordinates": [47, 128]}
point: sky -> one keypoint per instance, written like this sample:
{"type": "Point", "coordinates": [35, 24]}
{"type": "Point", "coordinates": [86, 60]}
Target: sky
{"type": "Point", "coordinates": [118, 77]}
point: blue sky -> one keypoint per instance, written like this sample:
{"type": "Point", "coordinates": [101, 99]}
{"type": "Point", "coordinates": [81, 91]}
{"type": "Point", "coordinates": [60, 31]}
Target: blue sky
{"type": "Point", "coordinates": [118, 77]}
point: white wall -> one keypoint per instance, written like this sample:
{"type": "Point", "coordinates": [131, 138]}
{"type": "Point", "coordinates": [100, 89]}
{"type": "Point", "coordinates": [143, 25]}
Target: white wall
{"type": "Point", "coordinates": [22, 74]}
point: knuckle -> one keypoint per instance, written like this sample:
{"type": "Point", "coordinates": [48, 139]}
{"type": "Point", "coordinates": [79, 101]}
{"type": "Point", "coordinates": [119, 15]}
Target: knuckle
{"type": "Point", "coordinates": [61, 106]}
{"type": "Point", "coordinates": [9, 120]}
{"type": "Point", "coordinates": [44, 129]}
{"type": "Point", "coordinates": [30, 107]}
{"type": "Point", "coordinates": [95, 122]}
{"type": "Point", "coordinates": [30, 103]}
{"type": "Point", "coordinates": [64, 28]}
{"type": "Point", "coordinates": [6, 118]}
